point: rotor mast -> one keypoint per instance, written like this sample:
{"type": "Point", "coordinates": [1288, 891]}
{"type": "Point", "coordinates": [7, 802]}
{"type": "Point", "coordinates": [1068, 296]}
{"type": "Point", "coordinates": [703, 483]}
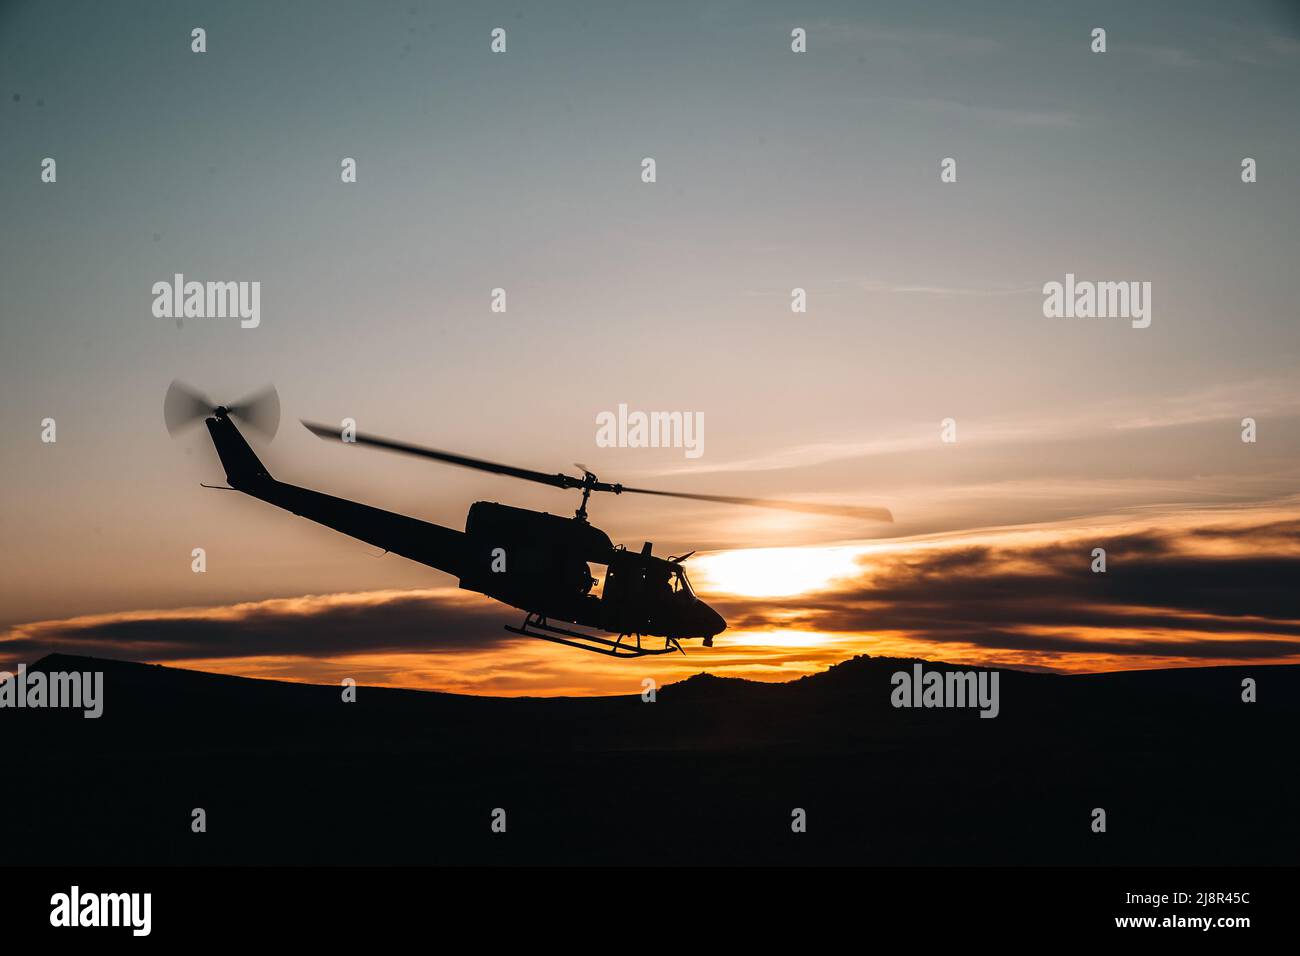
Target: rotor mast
{"type": "Point", "coordinates": [589, 484]}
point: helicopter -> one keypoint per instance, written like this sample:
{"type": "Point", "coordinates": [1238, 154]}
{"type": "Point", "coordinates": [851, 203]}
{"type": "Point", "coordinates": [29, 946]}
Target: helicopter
{"type": "Point", "coordinates": [533, 561]}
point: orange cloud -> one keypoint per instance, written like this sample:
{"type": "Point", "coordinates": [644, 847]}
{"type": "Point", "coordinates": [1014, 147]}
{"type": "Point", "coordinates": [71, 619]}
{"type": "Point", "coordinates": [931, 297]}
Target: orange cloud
{"type": "Point", "coordinates": [1194, 589]}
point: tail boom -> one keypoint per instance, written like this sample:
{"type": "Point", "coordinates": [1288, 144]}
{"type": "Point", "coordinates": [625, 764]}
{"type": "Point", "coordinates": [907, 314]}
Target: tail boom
{"type": "Point", "coordinates": [429, 544]}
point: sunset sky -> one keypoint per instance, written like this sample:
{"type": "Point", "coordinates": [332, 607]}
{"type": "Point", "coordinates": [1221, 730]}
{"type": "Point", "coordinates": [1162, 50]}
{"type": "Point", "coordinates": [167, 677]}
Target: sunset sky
{"type": "Point", "coordinates": [775, 170]}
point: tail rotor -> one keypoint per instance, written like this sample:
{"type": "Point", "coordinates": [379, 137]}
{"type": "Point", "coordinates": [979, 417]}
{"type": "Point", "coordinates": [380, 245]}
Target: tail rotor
{"type": "Point", "coordinates": [184, 405]}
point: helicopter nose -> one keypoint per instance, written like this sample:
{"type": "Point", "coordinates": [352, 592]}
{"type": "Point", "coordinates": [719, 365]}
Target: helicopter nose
{"type": "Point", "coordinates": [711, 621]}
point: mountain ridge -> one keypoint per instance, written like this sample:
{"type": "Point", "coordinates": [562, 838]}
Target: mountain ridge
{"type": "Point", "coordinates": [855, 666]}
{"type": "Point", "coordinates": [707, 771]}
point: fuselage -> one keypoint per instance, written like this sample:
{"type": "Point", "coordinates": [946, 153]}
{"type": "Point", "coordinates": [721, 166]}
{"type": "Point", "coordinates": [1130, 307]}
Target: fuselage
{"type": "Point", "coordinates": [537, 562]}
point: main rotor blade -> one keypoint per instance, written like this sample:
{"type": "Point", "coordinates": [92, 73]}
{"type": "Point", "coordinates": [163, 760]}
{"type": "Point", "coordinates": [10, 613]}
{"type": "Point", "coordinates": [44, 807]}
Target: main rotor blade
{"type": "Point", "coordinates": [808, 507]}
{"type": "Point", "coordinates": [183, 405]}
{"type": "Point", "coordinates": [464, 461]}
{"type": "Point", "coordinates": [568, 481]}
{"type": "Point", "coordinates": [261, 411]}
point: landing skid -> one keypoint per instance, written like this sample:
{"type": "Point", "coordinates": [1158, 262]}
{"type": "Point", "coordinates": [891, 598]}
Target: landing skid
{"type": "Point", "coordinates": [535, 625]}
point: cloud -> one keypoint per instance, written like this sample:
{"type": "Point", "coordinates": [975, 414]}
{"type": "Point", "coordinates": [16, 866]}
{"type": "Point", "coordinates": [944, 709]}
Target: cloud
{"type": "Point", "coordinates": [1178, 589]}
{"type": "Point", "coordinates": [1015, 116]}
{"type": "Point", "coordinates": [910, 42]}
{"type": "Point", "coordinates": [1169, 56]}
{"type": "Point", "coordinates": [376, 622]}
{"type": "Point", "coordinates": [1218, 592]}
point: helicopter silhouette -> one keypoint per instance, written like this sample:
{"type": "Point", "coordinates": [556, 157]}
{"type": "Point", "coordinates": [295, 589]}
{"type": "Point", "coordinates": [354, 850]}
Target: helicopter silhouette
{"type": "Point", "coordinates": [534, 561]}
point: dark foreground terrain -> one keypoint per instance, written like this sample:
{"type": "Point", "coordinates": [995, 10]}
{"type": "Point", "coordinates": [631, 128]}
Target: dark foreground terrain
{"type": "Point", "coordinates": [709, 773]}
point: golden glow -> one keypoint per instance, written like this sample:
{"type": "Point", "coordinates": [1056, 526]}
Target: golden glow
{"type": "Point", "coordinates": [779, 638]}
{"type": "Point", "coordinates": [451, 640]}
{"type": "Point", "coordinates": [773, 572]}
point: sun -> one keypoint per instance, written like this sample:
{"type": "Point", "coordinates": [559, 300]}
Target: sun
{"type": "Point", "coordinates": [774, 572]}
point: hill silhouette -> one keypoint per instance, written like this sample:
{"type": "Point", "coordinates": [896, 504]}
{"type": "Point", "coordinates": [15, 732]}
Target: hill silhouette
{"type": "Point", "coordinates": [708, 773]}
